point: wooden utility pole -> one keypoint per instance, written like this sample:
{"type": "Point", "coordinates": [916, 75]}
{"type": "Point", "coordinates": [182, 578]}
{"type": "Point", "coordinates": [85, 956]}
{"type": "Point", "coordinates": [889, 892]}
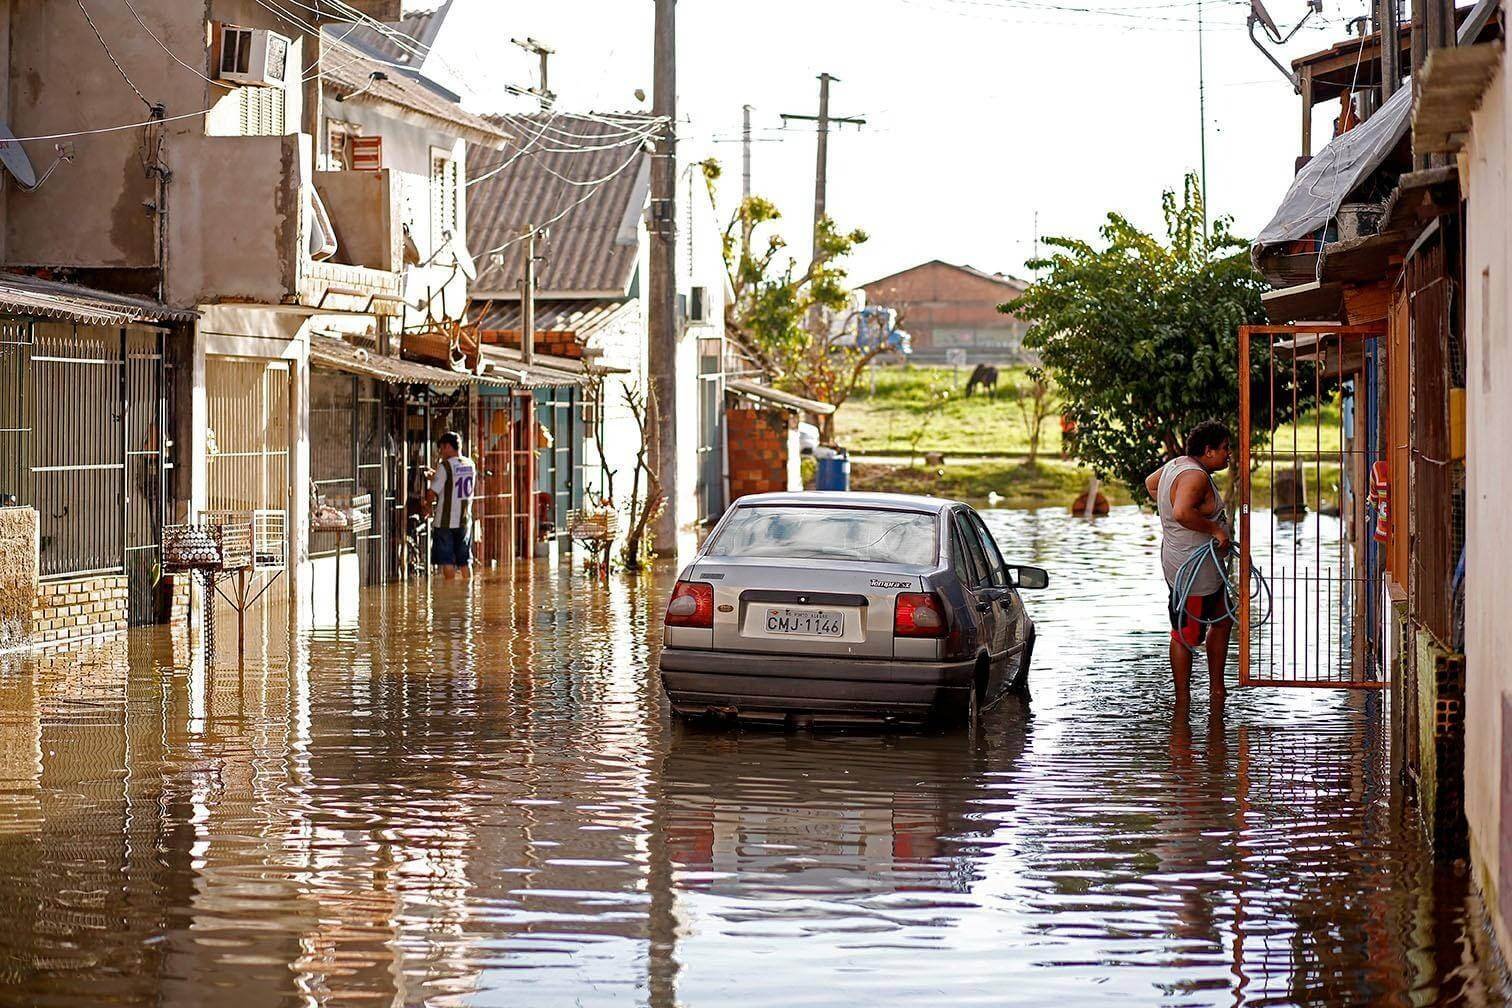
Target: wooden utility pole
{"type": "Point", "coordinates": [1391, 51]}
{"type": "Point", "coordinates": [823, 119]}
{"type": "Point", "coordinates": [527, 299]}
{"type": "Point", "coordinates": [745, 153]}
{"type": "Point", "coordinates": [661, 309]}
{"type": "Point", "coordinates": [543, 93]}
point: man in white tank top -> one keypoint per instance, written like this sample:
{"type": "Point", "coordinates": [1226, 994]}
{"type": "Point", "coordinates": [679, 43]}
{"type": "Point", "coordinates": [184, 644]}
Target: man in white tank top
{"type": "Point", "coordinates": [1191, 516]}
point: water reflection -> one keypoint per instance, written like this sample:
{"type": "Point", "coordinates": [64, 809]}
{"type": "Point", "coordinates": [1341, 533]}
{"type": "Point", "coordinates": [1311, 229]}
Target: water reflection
{"type": "Point", "coordinates": [472, 795]}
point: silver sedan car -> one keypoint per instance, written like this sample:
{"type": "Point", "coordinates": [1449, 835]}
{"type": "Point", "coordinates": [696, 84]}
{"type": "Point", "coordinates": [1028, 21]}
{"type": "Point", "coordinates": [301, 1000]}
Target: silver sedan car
{"type": "Point", "coordinates": [847, 607]}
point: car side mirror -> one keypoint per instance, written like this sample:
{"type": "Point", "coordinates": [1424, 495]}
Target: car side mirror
{"type": "Point", "coordinates": [1030, 577]}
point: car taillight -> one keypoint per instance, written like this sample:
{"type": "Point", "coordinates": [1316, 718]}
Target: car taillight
{"type": "Point", "coordinates": [919, 615]}
{"type": "Point", "coordinates": [691, 605]}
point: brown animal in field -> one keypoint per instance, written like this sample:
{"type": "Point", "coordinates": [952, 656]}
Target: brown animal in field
{"type": "Point", "coordinates": [984, 375]}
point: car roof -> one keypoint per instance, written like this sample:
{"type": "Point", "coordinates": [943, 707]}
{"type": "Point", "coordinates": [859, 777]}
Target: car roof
{"type": "Point", "coordinates": [837, 498]}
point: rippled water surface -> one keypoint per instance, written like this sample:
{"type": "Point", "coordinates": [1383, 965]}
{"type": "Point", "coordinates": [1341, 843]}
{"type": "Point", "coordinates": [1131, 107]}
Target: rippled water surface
{"type": "Point", "coordinates": [462, 797]}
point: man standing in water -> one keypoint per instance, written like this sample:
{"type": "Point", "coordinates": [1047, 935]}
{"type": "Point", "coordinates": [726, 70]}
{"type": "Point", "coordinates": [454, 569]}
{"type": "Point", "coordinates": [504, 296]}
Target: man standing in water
{"type": "Point", "coordinates": [1192, 516]}
{"type": "Point", "coordinates": [449, 498]}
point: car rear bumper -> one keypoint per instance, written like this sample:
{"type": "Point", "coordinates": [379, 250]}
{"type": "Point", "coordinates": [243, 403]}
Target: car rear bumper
{"type": "Point", "coordinates": [763, 687]}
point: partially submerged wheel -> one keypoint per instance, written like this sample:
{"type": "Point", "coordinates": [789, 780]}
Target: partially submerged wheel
{"type": "Point", "coordinates": [1020, 684]}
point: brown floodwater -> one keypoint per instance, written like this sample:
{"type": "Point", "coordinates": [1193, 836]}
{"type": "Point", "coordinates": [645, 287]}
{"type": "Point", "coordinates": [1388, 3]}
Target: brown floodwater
{"type": "Point", "coordinates": [475, 796]}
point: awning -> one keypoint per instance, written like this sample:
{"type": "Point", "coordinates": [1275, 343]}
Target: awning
{"type": "Point", "coordinates": [1327, 180]}
{"type": "Point", "coordinates": [1309, 302]}
{"type": "Point", "coordinates": [505, 366]}
{"type": "Point", "coordinates": [29, 295]}
{"type": "Point", "coordinates": [776, 397]}
{"type": "Point", "coordinates": [331, 352]}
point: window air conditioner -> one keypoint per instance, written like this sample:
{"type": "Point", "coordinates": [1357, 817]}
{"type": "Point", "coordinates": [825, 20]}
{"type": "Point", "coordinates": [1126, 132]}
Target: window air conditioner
{"type": "Point", "coordinates": [253, 56]}
{"type": "Point", "coordinates": [698, 306]}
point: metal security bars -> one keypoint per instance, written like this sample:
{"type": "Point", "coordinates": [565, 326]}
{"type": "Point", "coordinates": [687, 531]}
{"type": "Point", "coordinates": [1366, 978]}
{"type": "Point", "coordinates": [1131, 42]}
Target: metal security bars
{"type": "Point", "coordinates": [82, 416]}
{"type": "Point", "coordinates": [1304, 518]}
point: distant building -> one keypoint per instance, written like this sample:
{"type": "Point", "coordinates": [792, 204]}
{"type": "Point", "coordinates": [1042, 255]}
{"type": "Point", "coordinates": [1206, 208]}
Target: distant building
{"type": "Point", "coordinates": [944, 306]}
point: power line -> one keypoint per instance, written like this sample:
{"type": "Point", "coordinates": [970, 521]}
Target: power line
{"type": "Point", "coordinates": [111, 56]}
{"type": "Point", "coordinates": [171, 54]}
{"type": "Point", "coordinates": [598, 183]}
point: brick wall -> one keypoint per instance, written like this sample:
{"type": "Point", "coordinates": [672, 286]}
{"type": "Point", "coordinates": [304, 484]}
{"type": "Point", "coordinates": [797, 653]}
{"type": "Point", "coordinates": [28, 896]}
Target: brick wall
{"type": "Point", "coordinates": [758, 451]}
{"type": "Point", "coordinates": [80, 607]}
{"type": "Point", "coordinates": [559, 343]}
{"type": "Point", "coordinates": [937, 295]}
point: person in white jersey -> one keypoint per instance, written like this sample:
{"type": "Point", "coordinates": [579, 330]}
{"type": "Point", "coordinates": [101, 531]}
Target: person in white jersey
{"type": "Point", "coordinates": [1191, 516]}
{"type": "Point", "coordinates": [449, 499]}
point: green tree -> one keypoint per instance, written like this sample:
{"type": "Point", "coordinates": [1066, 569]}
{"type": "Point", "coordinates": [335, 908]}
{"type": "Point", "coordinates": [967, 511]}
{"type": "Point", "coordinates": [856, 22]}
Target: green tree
{"type": "Point", "coordinates": [779, 315]}
{"type": "Point", "coordinates": [1140, 334]}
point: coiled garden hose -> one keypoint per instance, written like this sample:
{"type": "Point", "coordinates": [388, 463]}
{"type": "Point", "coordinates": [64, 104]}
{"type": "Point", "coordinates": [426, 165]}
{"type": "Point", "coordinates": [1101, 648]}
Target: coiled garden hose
{"type": "Point", "coordinates": [1186, 577]}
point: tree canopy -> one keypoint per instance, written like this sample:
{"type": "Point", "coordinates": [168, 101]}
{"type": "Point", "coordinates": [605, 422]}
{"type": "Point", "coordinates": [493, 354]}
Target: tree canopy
{"type": "Point", "coordinates": [1140, 333]}
{"type": "Point", "coordinates": [780, 314]}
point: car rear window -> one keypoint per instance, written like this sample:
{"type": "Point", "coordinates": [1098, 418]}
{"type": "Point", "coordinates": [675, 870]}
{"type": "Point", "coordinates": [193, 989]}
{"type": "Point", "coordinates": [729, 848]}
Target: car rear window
{"type": "Point", "coordinates": [859, 535]}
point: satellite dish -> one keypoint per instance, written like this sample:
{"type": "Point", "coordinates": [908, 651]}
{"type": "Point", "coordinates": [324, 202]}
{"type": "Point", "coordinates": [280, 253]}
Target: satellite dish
{"type": "Point", "coordinates": [464, 260]}
{"type": "Point", "coordinates": [15, 160]}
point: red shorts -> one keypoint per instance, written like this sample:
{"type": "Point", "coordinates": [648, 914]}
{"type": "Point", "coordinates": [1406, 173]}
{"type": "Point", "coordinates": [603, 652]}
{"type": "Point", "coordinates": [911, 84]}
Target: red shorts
{"type": "Point", "coordinates": [1201, 612]}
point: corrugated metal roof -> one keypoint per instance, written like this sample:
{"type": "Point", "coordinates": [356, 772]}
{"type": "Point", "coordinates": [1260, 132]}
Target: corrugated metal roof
{"type": "Point", "coordinates": [421, 26]}
{"type": "Point", "coordinates": [505, 366]}
{"type": "Point", "coordinates": [349, 71]}
{"type": "Point", "coordinates": [580, 316]}
{"type": "Point", "coordinates": [333, 352]}
{"type": "Point", "coordinates": [591, 249]}
{"type": "Point", "coordinates": [776, 397]}
{"type": "Point", "coordinates": [29, 295]}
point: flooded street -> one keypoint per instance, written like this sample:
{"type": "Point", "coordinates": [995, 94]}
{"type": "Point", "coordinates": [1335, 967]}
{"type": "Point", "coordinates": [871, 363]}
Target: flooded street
{"type": "Point", "coordinates": [476, 797]}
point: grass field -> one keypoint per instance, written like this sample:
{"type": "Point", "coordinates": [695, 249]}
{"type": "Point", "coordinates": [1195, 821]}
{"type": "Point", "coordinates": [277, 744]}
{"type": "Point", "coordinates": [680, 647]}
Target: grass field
{"type": "Point", "coordinates": [1048, 484]}
{"type": "Point", "coordinates": [896, 410]}
{"type": "Point", "coordinates": [1051, 483]}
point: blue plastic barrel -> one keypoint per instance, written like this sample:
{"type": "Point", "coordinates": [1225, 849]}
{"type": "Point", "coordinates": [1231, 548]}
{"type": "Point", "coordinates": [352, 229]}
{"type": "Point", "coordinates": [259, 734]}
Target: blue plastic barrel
{"type": "Point", "coordinates": [833, 473]}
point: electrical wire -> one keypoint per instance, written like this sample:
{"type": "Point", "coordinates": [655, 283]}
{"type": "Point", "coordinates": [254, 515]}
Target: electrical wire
{"type": "Point", "coordinates": [634, 158]}
{"type": "Point", "coordinates": [111, 56]}
{"type": "Point", "coordinates": [171, 54]}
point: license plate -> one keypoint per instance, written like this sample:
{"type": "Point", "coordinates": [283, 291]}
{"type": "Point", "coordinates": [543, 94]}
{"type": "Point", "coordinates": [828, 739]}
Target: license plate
{"type": "Point", "coordinates": [805, 622]}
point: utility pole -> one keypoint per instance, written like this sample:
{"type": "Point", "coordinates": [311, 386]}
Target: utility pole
{"type": "Point", "coordinates": [1202, 119]}
{"type": "Point", "coordinates": [1036, 245]}
{"type": "Point", "coordinates": [1391, 50]}
{"type": "Point", "coordinates": [745, 153]}
{"type": "Point", "coordinates": [823, 119]}
{"type": "Point", "coordinates": [543, 93]}
{"type": "Point", "coordinates": [527, 298]}
{"type": "Point", "coordinates": [661, 309]}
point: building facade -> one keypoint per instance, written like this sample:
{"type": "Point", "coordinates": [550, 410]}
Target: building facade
{"type": "Point", "coordinates": [946, 307]}
{"type": "Point", "coordinates": [284, 213]}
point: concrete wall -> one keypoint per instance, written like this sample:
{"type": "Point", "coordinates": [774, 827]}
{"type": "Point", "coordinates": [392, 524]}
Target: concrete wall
{"type": "Point", "coordinates": [1488, 633]}
{"type": "Point", "coordinates": [438, 291]}
{"type": "Point", "coordinates": [93, 212]}
{"type": "Point", "coordinates": [236, 231]}
{"type": "Point", "coordinates": [940, 305]}
{"type": "Point", "coordinates": [365, 212]}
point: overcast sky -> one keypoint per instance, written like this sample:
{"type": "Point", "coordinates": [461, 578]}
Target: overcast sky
{"type": "Point", "coordinates": [979, 112]}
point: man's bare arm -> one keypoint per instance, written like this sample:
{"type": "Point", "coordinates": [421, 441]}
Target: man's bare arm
{"type": "Point", "coordinates": [1152, 483]}
{"type": "Point", "coordinates": [1186, 506]}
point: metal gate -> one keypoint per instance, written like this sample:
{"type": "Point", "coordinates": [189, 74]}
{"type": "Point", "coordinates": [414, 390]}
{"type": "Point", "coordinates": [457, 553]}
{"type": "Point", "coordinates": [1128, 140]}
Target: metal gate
{"type": "Point", "coordinates": [81, 440]}
{"type": "Point", "coordinates": [1304, 519]}
{"type": "Point", "coordinates": [247, 445]}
